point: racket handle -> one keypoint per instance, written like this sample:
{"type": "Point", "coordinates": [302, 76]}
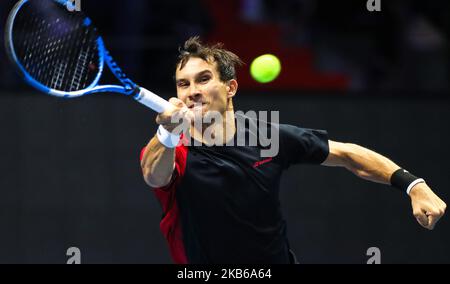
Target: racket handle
{"type": "Point", "coordinates": [152, 101]}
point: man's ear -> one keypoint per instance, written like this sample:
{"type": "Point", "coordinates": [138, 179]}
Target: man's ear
{"type": "Point", "coordinates": [232, 87]}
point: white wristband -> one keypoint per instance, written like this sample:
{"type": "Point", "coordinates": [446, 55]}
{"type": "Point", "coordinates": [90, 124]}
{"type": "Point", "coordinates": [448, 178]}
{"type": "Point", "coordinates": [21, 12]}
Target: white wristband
{"type": "Point", "coordinates": [166, 138]}
{"type": "Point", "coordinates": [411, 185]}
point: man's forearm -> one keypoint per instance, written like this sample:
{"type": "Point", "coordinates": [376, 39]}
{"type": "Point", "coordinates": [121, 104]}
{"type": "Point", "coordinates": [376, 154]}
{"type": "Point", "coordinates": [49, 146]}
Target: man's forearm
{"type": "Point", "coordinates": [369, 165]}
{"type": "Point", "coordinates": [427, 207]}
{"type": "Point", "coordinates": [157, 163]}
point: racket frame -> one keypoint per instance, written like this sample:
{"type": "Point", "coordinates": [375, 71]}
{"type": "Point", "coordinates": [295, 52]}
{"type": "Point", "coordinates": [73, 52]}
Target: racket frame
{"type": "Point", "coordinates": [128, 88]}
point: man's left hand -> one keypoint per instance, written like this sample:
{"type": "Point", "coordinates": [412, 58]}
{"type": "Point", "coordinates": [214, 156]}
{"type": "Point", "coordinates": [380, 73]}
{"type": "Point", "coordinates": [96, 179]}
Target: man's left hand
{"type": "Point", "coordinates": [427, 207]}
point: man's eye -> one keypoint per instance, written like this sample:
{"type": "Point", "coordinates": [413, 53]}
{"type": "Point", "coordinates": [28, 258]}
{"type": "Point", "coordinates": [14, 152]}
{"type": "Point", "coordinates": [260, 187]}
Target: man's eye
{"type": "Point", "coordinates": [204, 79]}
{"type": "Point", "coordinates": [182, 85]}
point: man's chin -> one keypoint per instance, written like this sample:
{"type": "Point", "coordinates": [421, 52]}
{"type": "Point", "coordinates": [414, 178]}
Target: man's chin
{"type": "Point", "coordinates": [199, 113]}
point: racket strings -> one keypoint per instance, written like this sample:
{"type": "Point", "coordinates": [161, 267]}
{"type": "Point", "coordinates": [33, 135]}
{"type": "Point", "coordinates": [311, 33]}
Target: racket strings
{"type": "Point", "coordinates": [81, 73]}
{"type": "Point", "coordinates": [56, 48]}
{"type": "Point", "coordinates": [63, 65]}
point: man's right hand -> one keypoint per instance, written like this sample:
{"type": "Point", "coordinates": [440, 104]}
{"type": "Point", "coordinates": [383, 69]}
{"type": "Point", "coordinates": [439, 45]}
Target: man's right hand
{"type": "Point", "coordinates": [176, 116]}
{"type": "Point", "coordinates": [158, 161]}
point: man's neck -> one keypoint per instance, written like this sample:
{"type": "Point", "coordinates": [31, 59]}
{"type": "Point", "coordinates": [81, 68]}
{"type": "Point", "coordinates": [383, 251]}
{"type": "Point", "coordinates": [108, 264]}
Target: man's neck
{"type": "Point", "coordinates": [218, 132]}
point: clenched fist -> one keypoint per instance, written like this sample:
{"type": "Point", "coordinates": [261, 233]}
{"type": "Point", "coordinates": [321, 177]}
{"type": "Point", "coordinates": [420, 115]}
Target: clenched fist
{"type": "Point", "coordinates": [179, 115]}
{"type": "Point", "coordinates": [427, 207]}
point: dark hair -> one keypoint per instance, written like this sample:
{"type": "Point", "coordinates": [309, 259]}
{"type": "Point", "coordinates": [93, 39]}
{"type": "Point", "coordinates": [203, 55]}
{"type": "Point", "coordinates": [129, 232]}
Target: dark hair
{"type": "Point", "coordinates": [226, 60]}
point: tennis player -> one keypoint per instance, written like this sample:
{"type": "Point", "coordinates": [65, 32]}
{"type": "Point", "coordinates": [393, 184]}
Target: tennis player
{"type": "Point", "coordinates": [220, 203]}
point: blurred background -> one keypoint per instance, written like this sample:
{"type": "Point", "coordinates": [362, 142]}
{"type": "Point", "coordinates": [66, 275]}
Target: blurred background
{"type": "Point", "coordinates": [70, 174]}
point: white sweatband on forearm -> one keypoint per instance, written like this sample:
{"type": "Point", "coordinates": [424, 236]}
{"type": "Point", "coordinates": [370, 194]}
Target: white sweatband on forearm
{"type": "Point", "coordinates": [413, 184]}
{"type": "Point", "coordinates": [166, 138]}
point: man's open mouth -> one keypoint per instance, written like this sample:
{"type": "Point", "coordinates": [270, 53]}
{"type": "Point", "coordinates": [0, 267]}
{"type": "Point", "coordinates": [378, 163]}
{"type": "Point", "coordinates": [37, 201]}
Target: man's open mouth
{"type": "Point", "coordinates": [197, 105]}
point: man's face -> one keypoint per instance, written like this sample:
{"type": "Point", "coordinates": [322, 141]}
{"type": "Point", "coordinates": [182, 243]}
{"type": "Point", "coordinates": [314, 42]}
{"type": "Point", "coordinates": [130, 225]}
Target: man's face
{"type": "Point", "coordinates": [200, 88]}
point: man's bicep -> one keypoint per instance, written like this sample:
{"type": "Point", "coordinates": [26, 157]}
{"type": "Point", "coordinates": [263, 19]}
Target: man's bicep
{"type": "Point", "coordinates": [337, 154]}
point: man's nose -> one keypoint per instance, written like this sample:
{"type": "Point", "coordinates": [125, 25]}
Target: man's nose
{"type": "Point", "coordinates": [194, 94]}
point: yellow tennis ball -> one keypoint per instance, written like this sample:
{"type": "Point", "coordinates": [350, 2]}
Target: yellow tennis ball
{"type": "Point", "coordinates": [265, 68]}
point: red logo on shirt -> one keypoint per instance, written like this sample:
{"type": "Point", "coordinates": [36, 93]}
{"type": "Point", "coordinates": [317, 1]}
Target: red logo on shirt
{"type": "Point", "coordinates": [259, 163]}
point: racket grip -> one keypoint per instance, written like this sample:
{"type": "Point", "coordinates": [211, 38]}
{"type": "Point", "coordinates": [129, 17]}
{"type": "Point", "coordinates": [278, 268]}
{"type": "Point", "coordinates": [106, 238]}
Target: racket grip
{"type": "Point", "coordinates": [152, 100]}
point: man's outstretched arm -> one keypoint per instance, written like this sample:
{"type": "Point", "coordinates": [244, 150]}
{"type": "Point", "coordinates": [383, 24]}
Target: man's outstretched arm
{"type": "Point", "coordinates": [427, 207]}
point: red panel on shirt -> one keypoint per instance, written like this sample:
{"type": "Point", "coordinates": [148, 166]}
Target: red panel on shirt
{"type": "Point", "coordinates": [170, 224]}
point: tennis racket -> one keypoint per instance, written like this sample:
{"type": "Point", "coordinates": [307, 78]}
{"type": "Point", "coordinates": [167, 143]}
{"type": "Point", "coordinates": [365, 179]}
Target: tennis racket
{"type": "Point", "coordinates": [59, 52]}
